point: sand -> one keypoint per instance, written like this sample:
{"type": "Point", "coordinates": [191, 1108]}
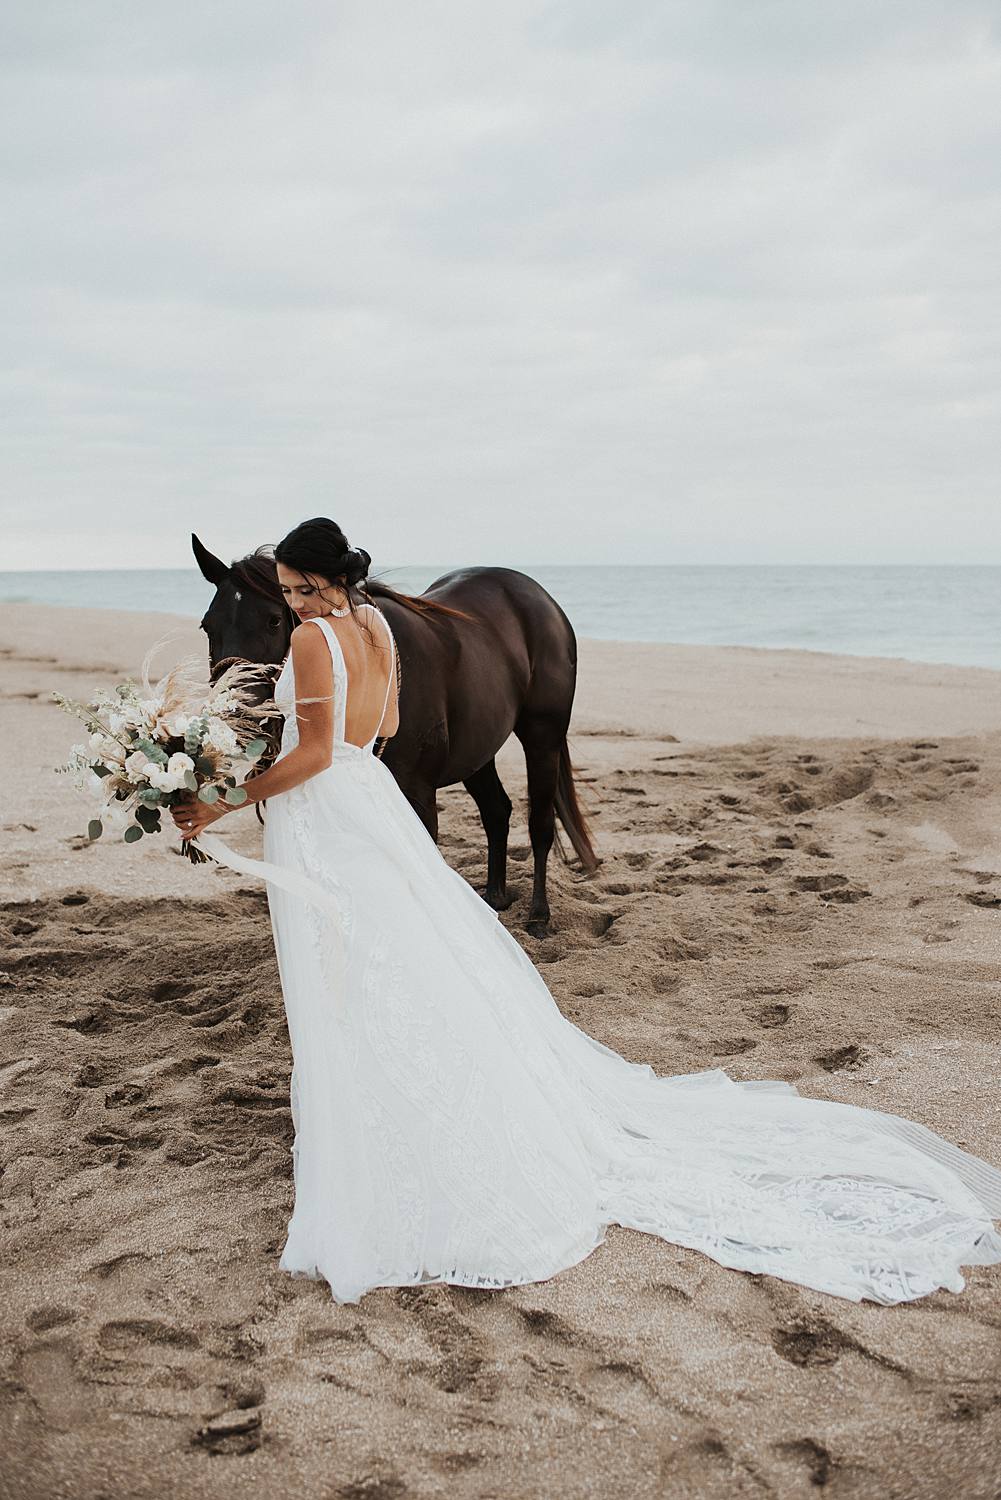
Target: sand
{"type": "Point", "coordinates": [800, 879]}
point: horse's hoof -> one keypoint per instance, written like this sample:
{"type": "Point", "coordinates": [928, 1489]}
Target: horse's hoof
{"type": "Point", "coordinates": [537, 927]}
{"type": "Point", "coordinates": [499, 900]}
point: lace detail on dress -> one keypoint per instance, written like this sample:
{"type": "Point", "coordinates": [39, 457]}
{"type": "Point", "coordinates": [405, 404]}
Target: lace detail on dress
{"type": "Point", "coordinates": [297, 804]}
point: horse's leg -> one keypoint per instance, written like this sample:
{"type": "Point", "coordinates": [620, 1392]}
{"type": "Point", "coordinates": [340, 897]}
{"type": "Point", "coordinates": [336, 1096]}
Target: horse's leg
{"type": "Point", "coordinates": [422, 796]}
{"type": "Point", "coordinates": [487, 791]}
{"type": "Point", "coordinates": [425, 804]}
{"type": "Point", "coordinates": [541, 739]}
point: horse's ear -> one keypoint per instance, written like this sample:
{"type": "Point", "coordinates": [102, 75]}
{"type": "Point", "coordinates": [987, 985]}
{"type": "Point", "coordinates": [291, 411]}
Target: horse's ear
{"type": "Point", "coordinates": [213, 568]}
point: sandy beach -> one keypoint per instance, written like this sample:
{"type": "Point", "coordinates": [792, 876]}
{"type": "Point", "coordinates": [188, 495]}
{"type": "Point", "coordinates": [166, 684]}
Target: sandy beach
{"type": "Point", "coordinates": [800, 879]}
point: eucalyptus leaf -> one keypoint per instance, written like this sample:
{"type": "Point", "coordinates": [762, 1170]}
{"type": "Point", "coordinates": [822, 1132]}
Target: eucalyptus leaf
{"type": "Point", "coordinates": [255, 749]}
{"type": "Point", "coordinates": [132, 833]}
{"type": "Point", "coordinates": [95, 828]}
{"type": "Point", "coordinates": [191, 781]}
{"type": "Point", "coordinates": [235, 795]}
{"type": "Point", "coordinates": [100, 769]}
{"type": "Point", "coordinates": [209, 794]}
{"type": "Point", "coordinates": [150, 794]}
{"type": "Point", "coordinates": [153, 751]}
{"type": "Point", "coordinates": [148, 819]}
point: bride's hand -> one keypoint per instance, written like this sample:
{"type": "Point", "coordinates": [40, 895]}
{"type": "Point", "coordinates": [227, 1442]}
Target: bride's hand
{"type": "Point", "coordinates": [194, 816]}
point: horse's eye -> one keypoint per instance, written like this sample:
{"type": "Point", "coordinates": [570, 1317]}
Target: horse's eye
{"type": "Point", "coordinates": [275, 623]}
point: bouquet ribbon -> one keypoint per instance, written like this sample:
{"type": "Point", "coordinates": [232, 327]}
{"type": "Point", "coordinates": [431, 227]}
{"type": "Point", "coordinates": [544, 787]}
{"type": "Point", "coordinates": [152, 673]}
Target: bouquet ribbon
{"type": "Point", "coordinates": [290, 880]}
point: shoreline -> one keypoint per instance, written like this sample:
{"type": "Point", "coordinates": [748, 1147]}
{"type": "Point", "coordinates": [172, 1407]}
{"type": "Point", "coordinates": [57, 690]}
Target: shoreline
{"type": "Point", "coordinates": [701, 694]}
{"type": "Point", "coordinates": [190, 622]}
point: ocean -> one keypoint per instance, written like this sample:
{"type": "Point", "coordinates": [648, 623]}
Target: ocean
{"type": "Point", "coordinates": [932, 614]}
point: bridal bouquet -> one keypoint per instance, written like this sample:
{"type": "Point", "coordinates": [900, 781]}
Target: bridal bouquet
{"type": "Point", "coordinates": [152, 746]}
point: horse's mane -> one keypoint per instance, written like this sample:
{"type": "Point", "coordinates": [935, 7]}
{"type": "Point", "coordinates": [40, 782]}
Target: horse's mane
{"type": "Point", "coordinates": [259, 571]}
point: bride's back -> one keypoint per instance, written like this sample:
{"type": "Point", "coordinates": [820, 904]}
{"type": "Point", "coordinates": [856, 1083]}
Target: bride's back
{"type": "Point", "coordinates": [370, 660]}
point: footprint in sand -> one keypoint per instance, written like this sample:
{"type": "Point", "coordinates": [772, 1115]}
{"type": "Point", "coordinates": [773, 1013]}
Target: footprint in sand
{"type": "Point", "coordinates": [809, 1344]}
{"type": "Point", "coordinates": [48, 1373]}
{"type": "Point", "coordinates": [373, 1485]}
{"type": "Point", "coordinates": [41, 1319]}
{"type": "Point", "coordinates": [775, 1014]}
{"type": "Point", "coordinates": [150, 1338]}
{"type": "Point", "coordinates": [707, 1468]}
{"type": "Point", "coordinates": [732, 1046]}
{"type": "Point", "coordinates": [233, 1432]}
{"type": "Point", "coordinates": [841, 1058]}
{"type": "Point", "coordinates": [819, 882]}
{"type": "Point", "coordinates": [94, 1075]}
{"type": "Point", "coordinates": [816, 1459]}
{"type": "Point", "coordinates": [621, 1388]}
{"type": "Point", "coordinates": [125, 1094]}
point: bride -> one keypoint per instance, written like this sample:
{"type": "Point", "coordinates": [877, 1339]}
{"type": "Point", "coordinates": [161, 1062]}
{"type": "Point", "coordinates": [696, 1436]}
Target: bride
{"type": "Point", "coordinates": [451, 1125]}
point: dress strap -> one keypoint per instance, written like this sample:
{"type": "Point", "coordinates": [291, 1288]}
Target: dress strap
{"type": "Point", "coordinates": [332, 641]}
{"type": "Point", "coordinates": [392, 661]}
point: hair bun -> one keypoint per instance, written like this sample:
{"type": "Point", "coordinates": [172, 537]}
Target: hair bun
{"type": "Point", "coordinates": [357, 564]}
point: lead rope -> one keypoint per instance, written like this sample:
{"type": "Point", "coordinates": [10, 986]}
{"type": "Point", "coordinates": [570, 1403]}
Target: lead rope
{"type": "Point", "coordinates": [381, 740]}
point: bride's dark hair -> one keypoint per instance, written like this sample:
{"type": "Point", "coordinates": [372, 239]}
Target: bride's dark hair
{"type": "Point", "coordinates": [319, 548]}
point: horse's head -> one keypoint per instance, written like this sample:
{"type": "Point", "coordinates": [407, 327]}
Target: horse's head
{"type": "Point", "coordinates": [248, 617]}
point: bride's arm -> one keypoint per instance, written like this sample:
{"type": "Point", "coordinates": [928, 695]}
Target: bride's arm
{"type": "Point", "coordinates": [314, 679]}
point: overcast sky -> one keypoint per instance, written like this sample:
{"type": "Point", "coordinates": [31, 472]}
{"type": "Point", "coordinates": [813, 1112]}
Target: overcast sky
{"type": "Point", "coordinates": [655, 281]}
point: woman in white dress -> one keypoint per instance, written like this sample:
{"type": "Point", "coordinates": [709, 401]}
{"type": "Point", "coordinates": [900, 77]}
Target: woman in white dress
{"type": "Point", "coordinates": [451, 1125]}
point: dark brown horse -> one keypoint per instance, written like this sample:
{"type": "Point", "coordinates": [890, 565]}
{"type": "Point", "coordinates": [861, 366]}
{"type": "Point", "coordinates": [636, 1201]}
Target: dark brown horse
{"type": "Point", "coordinates": [483, 652]}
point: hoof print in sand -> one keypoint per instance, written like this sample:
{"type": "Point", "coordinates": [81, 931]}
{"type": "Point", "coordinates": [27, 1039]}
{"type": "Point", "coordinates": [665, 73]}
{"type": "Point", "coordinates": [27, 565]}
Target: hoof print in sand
{"type": "Point", "coordinates": [822, 884]}
{"type": "Point", "coordinates": [815, 1457]}
{"type": "Point", "coordinates": [233, 1432]}
{"type": "Point", "coordinates": [372, 1487]}
{"type": "Point", "coordinates": [987, 899]}
{"type": "Point", "coordinates": [126, 1093]}
{"type": "Point", "coordinates": [840, 1058]}
{"type": "Point", "coordinates": [41, 1319]}
{"type": "Point", "coordinates": [775, 1014]}
{"type": "Point", "coordinates": [93, 1075]}
{"type": "Point", "coordinates": [130, 1336]}
{"type": "Point", "coordinates": [732, 1046]}
{"type": "Point", "coordinates": [809, 1344]}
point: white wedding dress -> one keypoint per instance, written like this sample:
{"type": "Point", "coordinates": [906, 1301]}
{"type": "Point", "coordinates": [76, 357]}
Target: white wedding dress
{"type": "Point", "coordinates": [451, 1125]}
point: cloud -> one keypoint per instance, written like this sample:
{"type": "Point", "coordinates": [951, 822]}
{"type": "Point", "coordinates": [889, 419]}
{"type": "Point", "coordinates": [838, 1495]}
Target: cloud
{"type": "Point", "coordinates": [540, 282]}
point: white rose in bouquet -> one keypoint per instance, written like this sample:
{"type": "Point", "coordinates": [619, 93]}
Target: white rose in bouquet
{"type": "Point", "coordinates": [180, 764]}
{"type": "Point", "coordinates": [116, 815]}
{"type": "Point", "coordinates": [136, 763]}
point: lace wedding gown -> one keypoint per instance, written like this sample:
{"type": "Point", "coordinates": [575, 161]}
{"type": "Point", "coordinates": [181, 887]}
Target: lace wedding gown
{"type": "Point", "coordinates": [451, 1125]}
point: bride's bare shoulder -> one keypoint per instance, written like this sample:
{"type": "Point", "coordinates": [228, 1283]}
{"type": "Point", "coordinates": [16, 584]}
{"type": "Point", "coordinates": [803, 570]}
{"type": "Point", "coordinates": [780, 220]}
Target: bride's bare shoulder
{"type": "Point", "coordinates": [306, 643]}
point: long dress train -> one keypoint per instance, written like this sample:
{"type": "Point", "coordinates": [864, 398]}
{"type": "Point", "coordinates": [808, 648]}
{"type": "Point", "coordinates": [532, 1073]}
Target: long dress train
{"type": "Point", "coordinates": [451, 1125]}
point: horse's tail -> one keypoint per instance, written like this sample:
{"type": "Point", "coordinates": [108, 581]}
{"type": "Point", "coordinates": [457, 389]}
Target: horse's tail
{"type": "Point", "coordinates": [571, 816]}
